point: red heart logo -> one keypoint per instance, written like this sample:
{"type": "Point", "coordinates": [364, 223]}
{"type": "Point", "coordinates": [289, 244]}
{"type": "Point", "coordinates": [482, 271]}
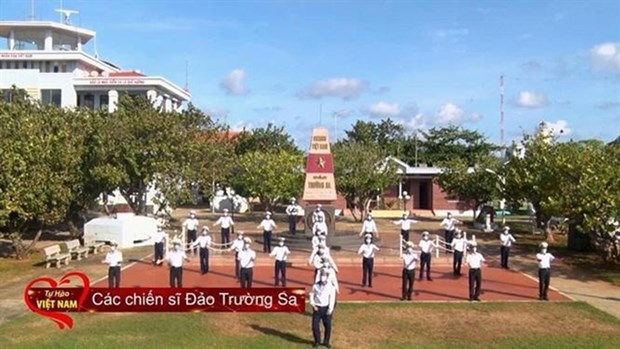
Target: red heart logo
{"type": "Point", "coordinates": [61, 319]}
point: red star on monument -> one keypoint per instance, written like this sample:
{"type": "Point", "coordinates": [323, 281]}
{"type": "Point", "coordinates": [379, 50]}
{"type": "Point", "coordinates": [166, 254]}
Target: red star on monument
{"type": "Point", "coordinates": [321, 162]}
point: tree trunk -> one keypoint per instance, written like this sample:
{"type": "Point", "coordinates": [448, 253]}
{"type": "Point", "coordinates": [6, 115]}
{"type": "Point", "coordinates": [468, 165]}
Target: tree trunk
{"type": "Point", "coordinates": [20, 250]}
{"type": "Point", "coordinates": [106, 209]}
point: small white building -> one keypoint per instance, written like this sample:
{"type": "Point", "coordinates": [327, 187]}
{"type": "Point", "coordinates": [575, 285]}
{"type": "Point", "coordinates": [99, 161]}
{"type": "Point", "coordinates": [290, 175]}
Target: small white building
{"type": "Point", "coordinates": [47, 60]}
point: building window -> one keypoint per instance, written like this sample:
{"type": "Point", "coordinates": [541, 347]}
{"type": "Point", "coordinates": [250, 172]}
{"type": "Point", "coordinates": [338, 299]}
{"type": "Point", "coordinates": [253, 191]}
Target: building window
{"type": "Point", "coordinates": [51, 97]}
{"type": "Point", "coordinates": [103, 101]}
{"type": "Point", "coordinates": [48, 66]}
{"type": "Point", "coordinates": [89, 101]}
{"type": "Point", "coordinates": [56, 69]}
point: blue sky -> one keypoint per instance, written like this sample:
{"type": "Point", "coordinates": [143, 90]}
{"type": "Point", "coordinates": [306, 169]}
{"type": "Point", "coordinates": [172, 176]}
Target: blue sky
{"type": "Point", "coordinates": [423, 63]}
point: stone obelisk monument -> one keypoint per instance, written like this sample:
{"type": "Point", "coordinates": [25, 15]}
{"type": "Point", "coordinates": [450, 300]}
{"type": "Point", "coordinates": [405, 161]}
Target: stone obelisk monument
{"type": "Point", "coordinates": [320, 186]}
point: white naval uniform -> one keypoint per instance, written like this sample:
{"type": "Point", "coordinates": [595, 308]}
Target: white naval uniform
{"type": "Point", "coordinates": [369, 226]}
{"type": "Point", "coordinates": [114, 259]}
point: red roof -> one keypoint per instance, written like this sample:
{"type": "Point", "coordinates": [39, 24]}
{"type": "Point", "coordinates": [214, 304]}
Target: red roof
{"type": "Point", "coordinates": [126, 74]}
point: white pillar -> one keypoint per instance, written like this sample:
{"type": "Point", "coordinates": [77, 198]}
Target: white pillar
{"type": "Point", "coordinates": [152, 96]}
{"type": "Point", "coordinates": [112, 100]}
{"type": "Point", "coordinates": [49, 41]}
{"type": "Point", "coordinates": [167, 104]}
{"type": "Point", "coordinates": [11, 40]}
{"type": "Point", "coordinates": [400, 188]}
{"type": "Point", "coordinates": [79, 44]}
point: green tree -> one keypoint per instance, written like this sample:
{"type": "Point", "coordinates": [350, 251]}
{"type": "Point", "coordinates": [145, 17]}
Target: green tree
{"type": "Point", "coordinates": [265, 139]}
{"type": "Point", "coordinates": [475, 186]}
{"type": "Point", "coordinates": [388, 135]}
{"type": "Point", "coordinates": [40, 155]}
{"type": "Point", "coordinates": [271, 176]}
{"type": "Point", "coordinates": [361, 173]}
{"type": "Point", "coordinates": [151, 147]}
{"type": "Point", "coordinates": [444, 144]}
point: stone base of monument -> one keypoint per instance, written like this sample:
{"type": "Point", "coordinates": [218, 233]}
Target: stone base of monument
{"type": "Point", "coordinates": [330, 218]}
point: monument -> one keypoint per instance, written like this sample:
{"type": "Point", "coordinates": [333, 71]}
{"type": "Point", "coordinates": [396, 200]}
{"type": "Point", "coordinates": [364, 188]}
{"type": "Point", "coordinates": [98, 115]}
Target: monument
{"type": "Point", "coordinates": [320, 186]}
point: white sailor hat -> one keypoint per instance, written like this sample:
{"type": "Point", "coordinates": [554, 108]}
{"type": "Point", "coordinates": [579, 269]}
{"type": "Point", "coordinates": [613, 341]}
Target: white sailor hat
{"type": "Point", "coordinates": [506, 228]}
{"type": "Point", "coordinates": [113, 243]}
{"type": "Point", "coordinates": [405, 214]}
{"type": "Point", "coordinates": [176, 241]}
{"type": "Point", "coordinates": [247, 240]}
{"type": "Point", "coordinates": [410, 244]}
{"type": "Point", "coordinates": [425, 233]}
{"type": "Point", "coordinates": [282, 239]}
{"type": "Point", "coordinates": [225, 210]}
{"type": "Point", "coordinates": [318, 206]}
{"type": "Point", "coordinates": [366, 236]}
{"type": "Point", "coordinates": [293, 200]}
{"type": "Point", "coordinates": [205, 229]}
{"type": "Point", "coordinates": [192, 212]}
{"type": "Point", "coordinates": [239, 232]}
{"type": "Point", "coordinates": [267, 213]}
{"type": "Point", "coordinates": [544, 244]}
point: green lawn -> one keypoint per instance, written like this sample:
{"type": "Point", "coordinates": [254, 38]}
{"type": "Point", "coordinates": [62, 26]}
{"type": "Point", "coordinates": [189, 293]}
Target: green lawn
{"type": "Point", "coordinates": [393, 325]}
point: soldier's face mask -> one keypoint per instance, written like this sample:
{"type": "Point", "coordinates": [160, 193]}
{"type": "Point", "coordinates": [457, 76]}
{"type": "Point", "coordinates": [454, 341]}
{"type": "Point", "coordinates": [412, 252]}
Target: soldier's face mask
{"type": "Point", "coordinates": [544, 250]}
{"type": "Point", "coordinates": [368, 241]}
{"type": "Point", "coordinates": [281, 243]}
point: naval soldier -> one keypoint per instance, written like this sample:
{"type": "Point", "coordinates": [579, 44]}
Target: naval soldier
{"type": "Point", "coordinates": [204, 243]}
{"type": "Point", "coordinates": [246, 264]}
{"type": "Point", "coordinates": [237, 246]}
{"type": "Point", "coordinates": [268, 226]}
{"type": "Point", "coordinates": [506, 240]}
{"type": "Point", "coordinates": [323, 301]}
{"type": "Point", "coordinates": [410, 259]}
{"type": "Point", "coordinates": [113, 259]}
{"type": "Point", "coordinates": [367, 250]}
{"type": "Point", "coordinates": [191, 226]}
{"type": "Point", "coordinates": [459, 244]}
{"type": "Point", "coordinates": [159, 237]}
{"type": "Point", "coordinates": [427, 247]}
{"type": "Point", "coordinates": [175, 259]}
{"type": "Point", "coordinates": [280, 253]}
{"type": "Point", "coordinates": [369, 227]}
{"type": "Point", "coordinates": [405, 226]}
{"type": "Point", "coordinates": [225, 222]}
{"type": "Point", "coordinates": [544, 259]}
{"type": "Point", "coordinates": [449, 223]}
{"type": "Point", "coordinates": [292, 211]}
{"type": "Point", "coordinates": [474, 260]}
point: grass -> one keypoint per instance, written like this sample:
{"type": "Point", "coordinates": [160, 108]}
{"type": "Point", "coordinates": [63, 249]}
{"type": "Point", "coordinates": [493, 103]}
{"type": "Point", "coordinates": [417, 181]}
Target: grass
{"type": "Point", "coordinates": [392, 325]}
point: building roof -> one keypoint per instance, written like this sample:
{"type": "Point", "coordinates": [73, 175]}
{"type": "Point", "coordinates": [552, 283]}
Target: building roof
{"type": "Point", "coordinates": [406, 169]}
{"type": "Point", "coordinates": [126, 74]}
{"type": "Point", "coordinates": [55, 27]}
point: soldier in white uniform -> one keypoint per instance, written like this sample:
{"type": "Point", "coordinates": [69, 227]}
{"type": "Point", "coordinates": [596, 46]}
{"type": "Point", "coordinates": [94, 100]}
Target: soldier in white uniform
{"type": "Point", "coordinates": [191, 226]}
{"type": "Point", "coordinates": [280, 253]}
{"type": "Point", "coordinates": [405, 226]}
{"type": "Point", "coordinates": [268, 226]}
{"type": "Point", "coordinates": [506, 240]}
{"type": "Point", "coordinates": [237, 246]}
{"type": "Point", "coordinates": [113, 259]}
{"type": "Point", "coordinates": [323, 302]}
{"type": "Point", "coordinates": [544, 259]}
{"type": "Point", "coordinates": [246, 264]}
{"type": "Point", "coordinates": [175, 258]}
{"type": "Point", "coordinates": [449, 223]}
{"type": "Point", "coordinates": [474, 260]}
{"type": "Point", "coordinates": [369, 227]}
{"type": "Point", "coordinates": [292, 211]}
{"type": "Point", "coordinates": [318, 220]}
{"type": "Point", "coordinates": [226, 223]}
{"type": "Point", "coordinates": [332, 273]}
{"type": "Point", "coordinates": [410, 259]}
{"type": "Point", "coordinates": [317, 238]}
{"type": "Point", "coordinates": [204, 243]}
{"type": "Point", "coordinates": [367, 250]}
{"type": "Point", "coordinates": [459, 244]}
{"type": "Point", "coordinates": [159, 237]}
{"type": "Point", "coordinates": [427, 247]}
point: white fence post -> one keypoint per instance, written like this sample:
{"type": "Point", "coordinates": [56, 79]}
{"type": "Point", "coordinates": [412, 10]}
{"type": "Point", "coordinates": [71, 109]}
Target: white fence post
{"type": "Point", "coordinates": [437, 246]}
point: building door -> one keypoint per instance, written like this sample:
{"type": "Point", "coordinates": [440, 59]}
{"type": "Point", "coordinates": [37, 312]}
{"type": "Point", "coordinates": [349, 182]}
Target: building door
{"type": "Point", "coordinates": [424, 196]}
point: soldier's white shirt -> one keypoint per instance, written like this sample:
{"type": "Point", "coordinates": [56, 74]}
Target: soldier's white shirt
{"type": "Point", "coordinates": [191, 224]}
{"type": "Point", "coordinates": [176, 258]}
{"type": "Point", "coordinates": [318, 216]}
{"type": "Point", "coordinates": [544, 260]}
{"type": "Point", "coordinates": [320, 226]}
{"type": "Point", "coordinates": [280, 252]}
{"type": "Point", "coordinates": [369, 226]}
{"type": "Point", "coordinates": [225, 222]}
{"type": "Point", "coordinates": [449, 223]}
{"type": "Point", "coordinates": [158, 236]}
{"type": "Point", "coordinates": [507, 239]}
{"type": "Point", "coordinates": [203, 241]}
{"type": "Point", "coordinates": [292, 210]}
{"type": "Point", "coordinates": [323, 295]}
{"type": "Point", "coordinates": [474, 260]}
{"type": "Point", "coordinates": [114, 258]}
{"type": "Point", "coordinates": [405, 224]}
{"type": "Point", "coordinates": [315, 242]}
{"type": "Point", "coordinates": [409, 260]}
{"type": "Point", "coordinates": [267, 224]}
{"type": "Point", "coordinates": [246, 258]}
{"type": "Point", "coordinates": [237, 245]}
{"type": "Point", "coordinates": [459, 244]}
{"type": "Point", "coordinates": [368, 250]}
{"type": "Point", "coordinates": [427, 246]}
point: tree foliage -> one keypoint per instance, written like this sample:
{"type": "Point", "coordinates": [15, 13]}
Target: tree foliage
{"type": "Point", "coordinates": [441, 145]}
{"type": "Point", "coordinates": [390, 136]}
{"type": "Point", "coordinates": [265, 139]}
{"type": "Point", "coordinates": [271, 176]}
{"type": "Point", "coordinates": [474, 186]}
{"type": "Point", "coordinates": [361, 173]}
{"type": "Point", "coordinates": [40, 155]}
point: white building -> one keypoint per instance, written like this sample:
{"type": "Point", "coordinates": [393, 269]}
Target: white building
{"type": "Point", "coordinates": [48, 61]}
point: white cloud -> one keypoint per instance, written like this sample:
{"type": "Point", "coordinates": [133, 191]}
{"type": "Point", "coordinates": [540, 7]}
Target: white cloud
{"type": "Point", "coordinates": [417, 123]}
{"type": "Point", "coordinates": [345, 88]}
{"type": "Point", "coordinates": [558, 128]}
{"type": "Point", "coordinates": [234, 83]}
{"type": "Point", "coordinates": [449, 33]}
{"type": "Point", "coordinates": [528, 99]}
{"type": "Point", "coordinates": [383, 109]}
{"type": "Point", "coordinates": [606, 57]}
{"type": "Point", "coordinates": [451, 113]}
